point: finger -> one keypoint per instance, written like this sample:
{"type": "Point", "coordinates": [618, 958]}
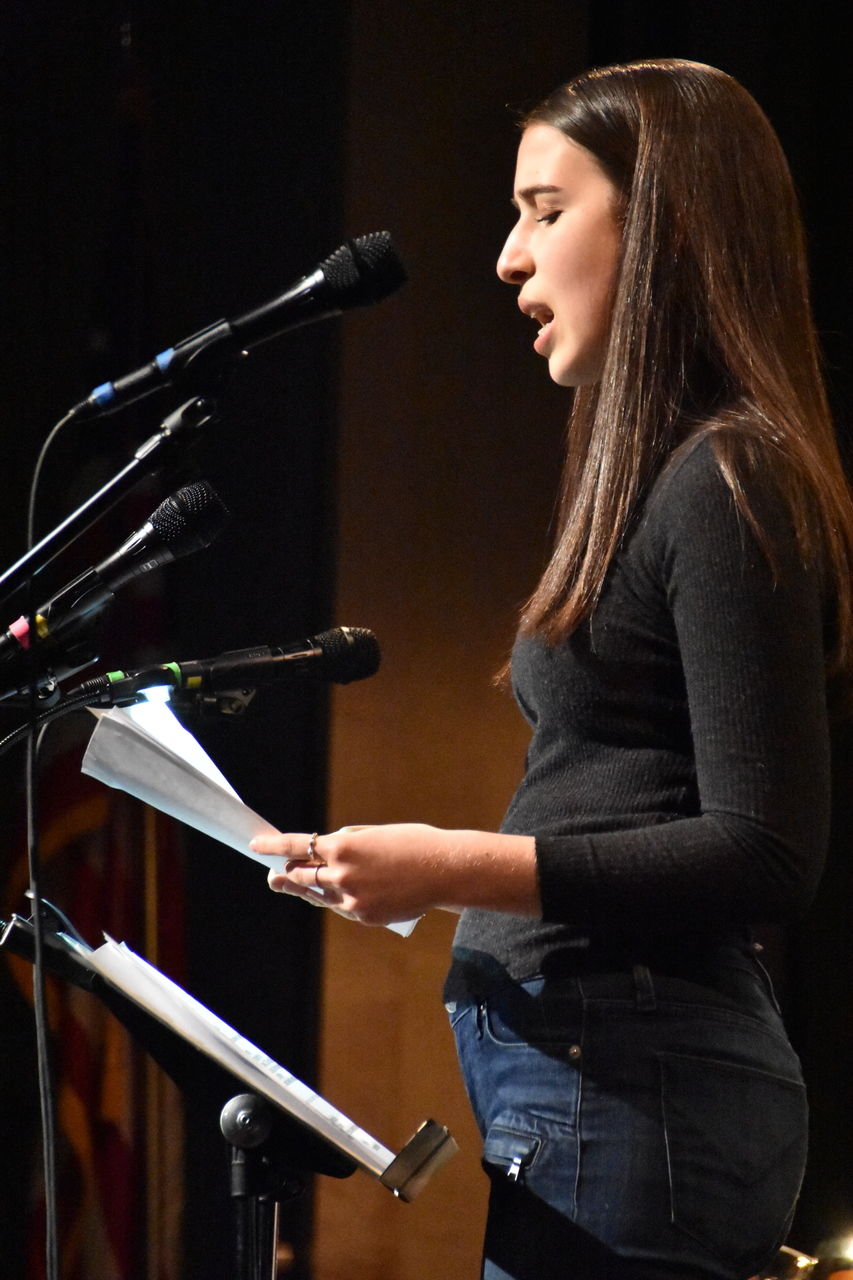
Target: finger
{"type": "Point", "coordinates": [307, 876]}
{"type": "Point", "coordinates": [292, 846]}
{"type": "Point", "coordinates": [282, 884]}
{"type": "Point", "coordinates": [311, 855]}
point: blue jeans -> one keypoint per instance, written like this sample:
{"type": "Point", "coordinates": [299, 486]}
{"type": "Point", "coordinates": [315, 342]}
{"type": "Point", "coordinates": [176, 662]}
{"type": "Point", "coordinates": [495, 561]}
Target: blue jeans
{"type": "Point", "coordinates": [635, 1126]}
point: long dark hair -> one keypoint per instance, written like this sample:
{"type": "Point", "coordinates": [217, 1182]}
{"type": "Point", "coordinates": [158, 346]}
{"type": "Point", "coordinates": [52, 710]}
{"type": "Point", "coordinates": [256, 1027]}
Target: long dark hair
{"type": "Point", "coordinates": [711, 328]}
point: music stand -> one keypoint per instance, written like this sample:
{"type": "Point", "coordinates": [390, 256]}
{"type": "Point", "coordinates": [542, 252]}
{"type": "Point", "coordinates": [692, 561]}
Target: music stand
{"type": "Point", "coordinates": [279, 1131]}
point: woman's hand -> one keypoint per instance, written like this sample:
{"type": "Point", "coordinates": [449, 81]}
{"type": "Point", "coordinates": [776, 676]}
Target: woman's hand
{"type": "Point", "coordinates": [383, 874]}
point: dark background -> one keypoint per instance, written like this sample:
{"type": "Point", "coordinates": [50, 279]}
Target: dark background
{"type": "Point", "coordinates": [159, 173]}
{"type": "Point", "coordinates": [161, 170]}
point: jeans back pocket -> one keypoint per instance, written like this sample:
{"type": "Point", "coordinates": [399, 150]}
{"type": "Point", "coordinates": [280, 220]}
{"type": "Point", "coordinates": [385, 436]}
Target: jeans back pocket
{"type": "Point", "coordinates": [736, 1144]}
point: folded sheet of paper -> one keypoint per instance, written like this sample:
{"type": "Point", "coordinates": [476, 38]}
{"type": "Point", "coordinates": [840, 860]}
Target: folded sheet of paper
{"type": "Point", "coordinates": [145, 751]}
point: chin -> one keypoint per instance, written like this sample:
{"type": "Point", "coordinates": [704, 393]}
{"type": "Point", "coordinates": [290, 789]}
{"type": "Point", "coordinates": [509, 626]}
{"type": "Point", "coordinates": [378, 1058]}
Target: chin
{"type": "Point", "coordinates": [574, 374]}
{"type": "Point", "coordinates": [570, 378]}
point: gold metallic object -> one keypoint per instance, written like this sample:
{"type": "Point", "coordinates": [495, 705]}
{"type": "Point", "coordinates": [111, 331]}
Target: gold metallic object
{"type": "Point", "coordinates": [789, 1264]}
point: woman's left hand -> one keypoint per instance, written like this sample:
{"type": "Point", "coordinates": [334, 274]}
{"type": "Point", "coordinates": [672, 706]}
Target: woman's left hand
{"type": "Point", "coordinates": [375, 874]}
{"type": "Point", "coordinates": [383, 874]}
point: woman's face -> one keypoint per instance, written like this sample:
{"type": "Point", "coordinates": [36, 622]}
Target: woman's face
{"type": "Point", "coordinates": [563, 252]}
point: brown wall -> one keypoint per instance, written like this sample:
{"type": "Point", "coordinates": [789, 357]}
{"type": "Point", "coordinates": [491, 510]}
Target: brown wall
{"type": "Point", "coordinates": [449, 447]}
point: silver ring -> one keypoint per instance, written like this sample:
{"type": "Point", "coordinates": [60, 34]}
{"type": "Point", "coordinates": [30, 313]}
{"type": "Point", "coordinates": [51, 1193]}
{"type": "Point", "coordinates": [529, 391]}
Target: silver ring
{"type": "Point", "coordinates": [312, 847]}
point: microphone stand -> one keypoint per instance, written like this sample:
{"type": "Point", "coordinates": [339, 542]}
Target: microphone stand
{"type": "Point", "coordinates": [151, 456]}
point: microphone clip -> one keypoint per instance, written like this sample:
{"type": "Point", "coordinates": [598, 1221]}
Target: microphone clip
{"type": "Point", "coordinates": [224, 702]}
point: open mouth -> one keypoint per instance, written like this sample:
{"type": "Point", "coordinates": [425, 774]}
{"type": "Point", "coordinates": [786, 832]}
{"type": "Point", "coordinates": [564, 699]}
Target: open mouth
{"type": "Point", "coordinates": [545, 319]}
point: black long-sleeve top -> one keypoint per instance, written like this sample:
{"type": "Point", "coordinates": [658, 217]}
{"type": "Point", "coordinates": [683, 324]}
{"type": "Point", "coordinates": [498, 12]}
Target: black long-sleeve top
{"type": "Point", "coordinates": [677, 779]}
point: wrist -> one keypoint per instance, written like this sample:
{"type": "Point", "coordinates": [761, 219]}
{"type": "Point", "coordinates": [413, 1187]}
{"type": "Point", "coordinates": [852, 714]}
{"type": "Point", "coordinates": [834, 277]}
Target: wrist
{"type": "Point", "coordinates": [490, 871]}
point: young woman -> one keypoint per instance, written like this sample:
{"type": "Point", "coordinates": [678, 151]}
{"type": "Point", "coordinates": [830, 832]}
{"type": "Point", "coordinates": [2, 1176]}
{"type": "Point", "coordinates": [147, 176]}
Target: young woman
{"type": "Point", "coordinates": [643, 1114]}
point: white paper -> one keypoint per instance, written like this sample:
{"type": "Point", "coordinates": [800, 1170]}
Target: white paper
{"type": "Point", "coordinates": [194, 1022]}
{"type": "Point", "coordinates": [145, 751]}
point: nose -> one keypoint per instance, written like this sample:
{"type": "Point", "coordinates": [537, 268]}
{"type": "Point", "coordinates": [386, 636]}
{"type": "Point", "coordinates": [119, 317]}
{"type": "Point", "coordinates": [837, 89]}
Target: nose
{"type": "Point", "coordinates": [515, 264]}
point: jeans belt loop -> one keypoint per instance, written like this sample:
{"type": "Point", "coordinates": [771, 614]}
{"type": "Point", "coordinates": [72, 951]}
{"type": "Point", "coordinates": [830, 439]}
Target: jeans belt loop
{"type": "Point", "coordinates": [644, 987]}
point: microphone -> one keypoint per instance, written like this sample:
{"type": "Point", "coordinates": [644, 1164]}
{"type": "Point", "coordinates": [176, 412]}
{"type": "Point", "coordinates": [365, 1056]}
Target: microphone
{"type": "Point", "coordinates": [185, 522]}
{"type": "Point", "coordinates": [341, 655]}
{"type": "Point", "coordinates": [362, 271]}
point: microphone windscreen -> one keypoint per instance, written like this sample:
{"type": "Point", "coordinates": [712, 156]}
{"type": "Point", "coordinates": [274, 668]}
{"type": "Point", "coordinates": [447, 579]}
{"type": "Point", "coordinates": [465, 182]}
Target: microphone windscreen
{"type": "Point", "coordinates": [340, 272]}
{"type": "Point", "coordinates": [363, 271]}
{"type": "Point", "coordinates": [349, 653]}
{"type": "Point", "coordinates": [380, 268]}
{"type": "Point", "coordinates": [190, 518]}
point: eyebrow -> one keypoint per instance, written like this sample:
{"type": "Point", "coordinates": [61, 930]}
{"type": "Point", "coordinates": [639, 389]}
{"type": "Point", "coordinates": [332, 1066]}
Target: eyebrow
{"type": "Point", "coordinates": [529, 194]}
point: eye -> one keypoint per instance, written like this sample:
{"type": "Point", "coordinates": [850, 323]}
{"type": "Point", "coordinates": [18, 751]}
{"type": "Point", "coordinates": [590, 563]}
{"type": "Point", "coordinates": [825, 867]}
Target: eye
{"type": "Point", "coordinates": [550, 218]}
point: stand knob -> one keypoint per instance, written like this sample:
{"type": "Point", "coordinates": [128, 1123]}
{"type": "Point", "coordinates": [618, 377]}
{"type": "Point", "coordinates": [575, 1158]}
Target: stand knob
{"type": "Point", "coordinates": [246, 1121]}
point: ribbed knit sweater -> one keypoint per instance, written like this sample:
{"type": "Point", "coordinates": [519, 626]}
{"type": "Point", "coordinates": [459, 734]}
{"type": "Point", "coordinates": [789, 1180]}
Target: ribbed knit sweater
{"type": "Point", "coordinates": [677, 778]}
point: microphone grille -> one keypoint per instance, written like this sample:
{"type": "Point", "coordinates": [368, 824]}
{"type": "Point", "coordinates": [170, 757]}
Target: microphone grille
{"type": "Point", "coordinates": [349, 653]}
{"type": "Point", "coordinates": [381, 270]}
{"type": "Point", "coordinates": [363, 270]}
{"type": "Point", "coordinates": [340, 271]}
{"type": "Point", "coordinates": [192, 516]}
